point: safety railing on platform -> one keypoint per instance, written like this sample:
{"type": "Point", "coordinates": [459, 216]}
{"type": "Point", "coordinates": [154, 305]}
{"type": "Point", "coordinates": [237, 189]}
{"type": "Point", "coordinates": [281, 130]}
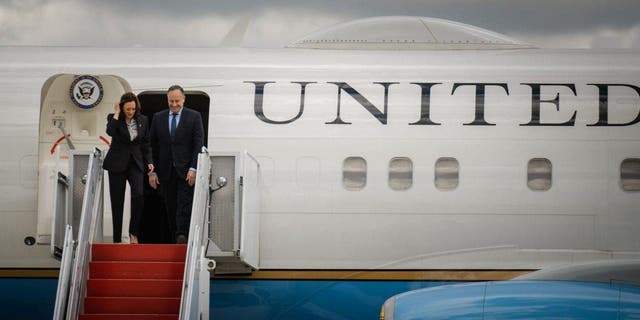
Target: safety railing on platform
{"type": "Point", "coordinates": [195, 288]}
{"type": "Point", "coordinates": [90, 229]}
{"type": "Point", "coordinates": [62, 293]}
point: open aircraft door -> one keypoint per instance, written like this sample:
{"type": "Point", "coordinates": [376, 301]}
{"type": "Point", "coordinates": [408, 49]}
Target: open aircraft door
{"type": "Point", "coordinates": [73, 114]}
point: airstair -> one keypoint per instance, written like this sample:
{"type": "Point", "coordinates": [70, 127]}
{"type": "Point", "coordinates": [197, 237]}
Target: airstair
{"type": "Point", "coordinates": [134, 281]}
{"type": "Point", "coordinates": [103, 281]}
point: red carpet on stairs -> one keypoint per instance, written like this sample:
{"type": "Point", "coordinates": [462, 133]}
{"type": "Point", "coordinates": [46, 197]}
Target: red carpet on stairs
{"type": "Point", "coordinates": [142, 281]}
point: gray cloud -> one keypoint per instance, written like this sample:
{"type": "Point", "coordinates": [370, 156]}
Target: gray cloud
{"type": "Point", "coordinates": [559, 23]}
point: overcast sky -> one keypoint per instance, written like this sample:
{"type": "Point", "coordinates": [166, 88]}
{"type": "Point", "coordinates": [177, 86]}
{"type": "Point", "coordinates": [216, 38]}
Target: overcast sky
{"type": "Point", "coordinates": [273, 24]}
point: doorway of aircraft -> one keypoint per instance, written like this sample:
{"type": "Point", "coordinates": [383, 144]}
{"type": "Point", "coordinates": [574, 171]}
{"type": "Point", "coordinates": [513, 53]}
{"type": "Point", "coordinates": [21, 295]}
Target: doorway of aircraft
{"type": "Point", "coordinates": [155, 228]}
{"type": "Point", "coordinates": [73, 114]}
{"type": "Point", "coordinates": [154, 101]}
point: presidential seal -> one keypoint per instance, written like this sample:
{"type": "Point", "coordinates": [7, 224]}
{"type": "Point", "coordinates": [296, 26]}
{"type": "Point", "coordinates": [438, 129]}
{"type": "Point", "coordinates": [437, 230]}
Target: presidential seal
{"type": "Point", "coordinates": [86, 91]}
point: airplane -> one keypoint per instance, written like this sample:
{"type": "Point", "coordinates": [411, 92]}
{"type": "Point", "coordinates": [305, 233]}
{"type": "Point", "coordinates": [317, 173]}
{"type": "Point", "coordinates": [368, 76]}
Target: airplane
{"type": "Point", "coordinates": [595, 290]}
{"type": "Point", "coordinates": [411, 149]}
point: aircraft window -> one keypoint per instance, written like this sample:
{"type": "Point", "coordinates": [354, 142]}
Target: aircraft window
{"type": "Point", "coordinates": [630, 174]}
{"type": "Point", "coordinates": [539, 174]}
{"type": "Point", "coordinates": [400, 173]}
{"type": "Point", "coordinates": [354, 173]}
{"type": "Point", "coordinates": [447, 173]}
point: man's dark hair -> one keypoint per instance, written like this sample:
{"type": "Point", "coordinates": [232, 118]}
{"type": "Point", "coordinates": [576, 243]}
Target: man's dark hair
{"type": "Point", "coordinates": [175, 87]}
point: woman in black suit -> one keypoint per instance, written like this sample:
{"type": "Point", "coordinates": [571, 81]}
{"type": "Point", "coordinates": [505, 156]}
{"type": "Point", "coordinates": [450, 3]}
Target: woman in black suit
{"type": "Point", "coordinates": [128, 158]}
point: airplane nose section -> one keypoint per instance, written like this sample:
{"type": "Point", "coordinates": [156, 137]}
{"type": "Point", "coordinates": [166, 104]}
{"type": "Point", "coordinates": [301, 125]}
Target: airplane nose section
{"type": "Point", "coordinates": [386, 313]}
{"type": "Point", "coordinates": [442, 303]}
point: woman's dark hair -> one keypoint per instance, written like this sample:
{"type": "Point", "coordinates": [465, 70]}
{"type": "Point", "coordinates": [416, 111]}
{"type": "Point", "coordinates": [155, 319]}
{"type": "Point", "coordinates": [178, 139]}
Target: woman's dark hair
{"type": "Point", "coordinates": [128, 97]}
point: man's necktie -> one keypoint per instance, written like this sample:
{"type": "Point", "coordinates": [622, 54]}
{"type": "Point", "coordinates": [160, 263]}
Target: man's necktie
{"type": "Point", "coordinates": [172, 131]}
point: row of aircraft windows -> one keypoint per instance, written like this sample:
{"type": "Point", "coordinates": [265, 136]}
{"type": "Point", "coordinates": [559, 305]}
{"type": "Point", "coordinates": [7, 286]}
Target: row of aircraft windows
{"type": "Point", "coordinates": [447, 174]}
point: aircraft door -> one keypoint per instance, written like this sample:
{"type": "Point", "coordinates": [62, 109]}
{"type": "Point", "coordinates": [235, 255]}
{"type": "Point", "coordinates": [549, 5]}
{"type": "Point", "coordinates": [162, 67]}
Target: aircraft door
{"type": "Point", "coordinates": [73, 115]}
{"type": "Point", "coordinates": [155, 227]}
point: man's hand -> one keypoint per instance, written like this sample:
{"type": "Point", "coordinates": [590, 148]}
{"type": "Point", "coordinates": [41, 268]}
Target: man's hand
{"type": "Point", "coordinates": [191, 178]}
{"type": "Point", "coordinates": [153, 181]}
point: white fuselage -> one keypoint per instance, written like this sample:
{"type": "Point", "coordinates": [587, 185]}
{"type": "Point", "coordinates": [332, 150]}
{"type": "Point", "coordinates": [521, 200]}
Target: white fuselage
{"type": "Point", "coordinates": [309, 220]}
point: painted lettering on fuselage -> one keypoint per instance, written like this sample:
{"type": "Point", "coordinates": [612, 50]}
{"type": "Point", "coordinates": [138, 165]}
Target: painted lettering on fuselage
{"type": "Point", "coordinates": [424, 109]}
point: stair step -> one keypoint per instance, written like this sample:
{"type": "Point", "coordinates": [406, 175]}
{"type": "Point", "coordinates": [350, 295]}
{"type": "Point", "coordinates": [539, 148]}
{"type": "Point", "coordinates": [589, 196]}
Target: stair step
{"type": "Point", "coordinates": [101, 316]}
{"type": "Point", "coordinates": [138, 252]}
{"type": "Point", "coordinates": [135, 270]}
{"type": "Point", "coordinates": [134, 288]}
{"type": "Point", "coordinates": [131, 305]}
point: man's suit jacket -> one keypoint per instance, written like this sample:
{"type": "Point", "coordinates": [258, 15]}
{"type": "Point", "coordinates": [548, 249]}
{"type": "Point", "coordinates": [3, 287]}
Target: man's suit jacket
{"type": "Point", "coordinates": [122, 147]}
{"type": "Point", "coordinates": [183, 151]}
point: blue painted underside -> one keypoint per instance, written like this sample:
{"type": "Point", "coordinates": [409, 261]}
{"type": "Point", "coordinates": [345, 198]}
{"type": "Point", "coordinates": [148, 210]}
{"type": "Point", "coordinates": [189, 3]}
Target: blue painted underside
{"type": "Point", "coordinates": [511, 300]}
{"type": "Point", "coordinates": [240, 299]}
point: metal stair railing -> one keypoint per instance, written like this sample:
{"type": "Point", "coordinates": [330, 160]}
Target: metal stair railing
{"type": "Point", "coordinates": [62, 293]}
{"type": "Point", "coordinates": [194, 302]}
{"type": "Point", "coordinates": [74, 265]}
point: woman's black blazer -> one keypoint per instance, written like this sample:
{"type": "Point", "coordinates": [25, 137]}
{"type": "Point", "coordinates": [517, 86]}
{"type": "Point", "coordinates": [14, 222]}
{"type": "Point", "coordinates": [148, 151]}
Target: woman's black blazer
{"type": "Point", "coordinates": [122, 148]}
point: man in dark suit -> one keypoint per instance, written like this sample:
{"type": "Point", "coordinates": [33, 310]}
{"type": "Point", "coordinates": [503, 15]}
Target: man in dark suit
{"type": "Point", "coordinates": [176, 140]}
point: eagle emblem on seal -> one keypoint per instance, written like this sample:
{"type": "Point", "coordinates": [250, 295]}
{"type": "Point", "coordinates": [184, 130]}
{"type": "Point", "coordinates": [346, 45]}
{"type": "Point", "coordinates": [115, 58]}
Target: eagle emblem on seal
{"type": "Point", "coordinates": [86, 91]}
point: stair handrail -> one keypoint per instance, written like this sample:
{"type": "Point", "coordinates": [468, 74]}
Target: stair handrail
{"type": "Point", "coordinates": [89, 229]}
{"type": "Point", "coordinates": [64, 277]}
{"type": "Point", "coordinates": [194, 302]}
